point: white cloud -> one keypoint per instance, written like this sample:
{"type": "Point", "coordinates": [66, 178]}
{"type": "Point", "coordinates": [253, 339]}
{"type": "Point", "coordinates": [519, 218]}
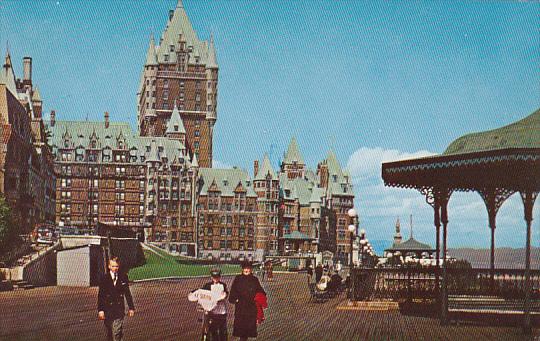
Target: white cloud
{"type": "Point", "coordinates": [367, 162]}
{"type": "Point", "coordinates": [220, 164]}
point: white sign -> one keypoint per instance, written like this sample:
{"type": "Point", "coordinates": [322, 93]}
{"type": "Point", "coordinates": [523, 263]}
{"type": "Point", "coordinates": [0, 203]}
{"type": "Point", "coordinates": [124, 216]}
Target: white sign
{"type": "Point", "coordinates": [206, 298]}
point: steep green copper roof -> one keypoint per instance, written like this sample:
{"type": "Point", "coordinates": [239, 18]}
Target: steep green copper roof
{"type": "Point", "coordinates": [212, 59]}
{"type": "Point", "coordinates": [194, 162]}
{"type": "Point", "coordinates": [316, 195]}
{"type": "Point", "coordinates": [180, 24]}
{"type": "Point", "coordinates": [7, 76]}
{"type": "Point", "coordinates": [36, 96]}
{"type": "Point", "coordinates": [521, 134]}
{"type": "Point", "coordinates": [333, 164]}
{"type": "Point", "coordinates": [151, 58]}
{"type": "Point", "coordinates": [300, 189]}
{"type": "Point", "coordinates": [175, 121]}
{"type": "Point", "coordinates": [293, 153]}
{"type": "Point", "coordinates": [226, 180]}
{"type": "Point", "coordinates": [81, 132]}
{"type": "Point", "coordinates": [266, 168]}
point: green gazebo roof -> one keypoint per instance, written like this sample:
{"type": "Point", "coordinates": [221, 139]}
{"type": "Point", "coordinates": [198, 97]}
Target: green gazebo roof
{"type": "Point", "coordinates": [410, 245]}
{"type": "Point", "coordinates": [524, 133]}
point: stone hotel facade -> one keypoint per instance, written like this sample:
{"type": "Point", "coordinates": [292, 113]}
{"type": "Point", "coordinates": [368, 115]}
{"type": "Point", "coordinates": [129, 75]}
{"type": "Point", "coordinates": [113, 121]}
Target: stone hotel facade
{"type": "Point", "coordinates": [159, 180]}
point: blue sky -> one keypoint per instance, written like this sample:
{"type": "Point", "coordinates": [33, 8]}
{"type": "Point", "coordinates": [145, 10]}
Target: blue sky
{"type": "Point", "coordinates": [375, 80]}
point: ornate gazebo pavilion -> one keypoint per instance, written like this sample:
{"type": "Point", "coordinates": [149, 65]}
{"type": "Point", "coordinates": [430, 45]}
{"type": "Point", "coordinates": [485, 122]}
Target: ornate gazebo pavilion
{"type": "Point", "coordinates": [495, 164]}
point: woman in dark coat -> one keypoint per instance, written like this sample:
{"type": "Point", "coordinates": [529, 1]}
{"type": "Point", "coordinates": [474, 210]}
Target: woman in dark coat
{"type": "Point", "coordinates": [243, 290]}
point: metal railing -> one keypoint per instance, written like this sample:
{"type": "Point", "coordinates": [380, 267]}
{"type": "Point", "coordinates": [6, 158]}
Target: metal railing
{"type": "Point", "coordinates": [421, 283]}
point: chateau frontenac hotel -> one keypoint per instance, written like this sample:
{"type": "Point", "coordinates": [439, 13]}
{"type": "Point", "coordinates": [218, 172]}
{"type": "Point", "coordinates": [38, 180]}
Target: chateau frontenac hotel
{"type": "Point", "coordinates": [158, 180]}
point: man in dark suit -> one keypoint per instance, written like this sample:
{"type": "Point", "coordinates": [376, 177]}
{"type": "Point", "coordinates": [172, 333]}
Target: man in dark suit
{"type": "Point", "coordinates": [113, 287]}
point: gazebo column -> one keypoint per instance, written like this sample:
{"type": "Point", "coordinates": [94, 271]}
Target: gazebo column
{"type": "Point", "coordinates": [438, 198]}
{"type": "Point", "coordinates": [443, 199]}
{"type": "Point", "coordinates": [528, 198]}
{"type": "Point", "coordinates": [431, 199]}
{"type": "Point", "coordinates": [437, 222]}
{"type": "Point", "coordinates": [493, 199]}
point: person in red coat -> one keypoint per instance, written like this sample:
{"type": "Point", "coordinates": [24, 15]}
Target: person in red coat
{"type": "Point", "coordinates": [243, 291]}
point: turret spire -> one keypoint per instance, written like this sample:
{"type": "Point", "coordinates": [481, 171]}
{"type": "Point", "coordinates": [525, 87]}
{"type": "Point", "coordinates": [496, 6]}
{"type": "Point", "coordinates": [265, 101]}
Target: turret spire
{"type": "Point", "coordinates": [411, 226]}
{"type": "Point", "coordinates": [151, 58]}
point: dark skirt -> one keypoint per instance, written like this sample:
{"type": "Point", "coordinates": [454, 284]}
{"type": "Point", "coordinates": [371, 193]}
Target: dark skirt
{"type": "Point", "coordinates": [245, 323]}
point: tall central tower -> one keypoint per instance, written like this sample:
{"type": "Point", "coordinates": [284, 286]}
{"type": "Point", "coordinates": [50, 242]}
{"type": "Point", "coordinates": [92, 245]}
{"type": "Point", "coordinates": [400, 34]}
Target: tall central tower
{"type": "Point", "coordinates": [180, 70]}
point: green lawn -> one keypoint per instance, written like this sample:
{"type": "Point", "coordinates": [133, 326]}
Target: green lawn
{"type": "Point", "coordinates": [167, 266]}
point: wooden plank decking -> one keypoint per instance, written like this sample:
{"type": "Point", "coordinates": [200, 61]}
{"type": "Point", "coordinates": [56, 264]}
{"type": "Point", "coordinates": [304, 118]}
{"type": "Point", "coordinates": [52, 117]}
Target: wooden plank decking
{"type": "Point", "coordinates": [163, 313]}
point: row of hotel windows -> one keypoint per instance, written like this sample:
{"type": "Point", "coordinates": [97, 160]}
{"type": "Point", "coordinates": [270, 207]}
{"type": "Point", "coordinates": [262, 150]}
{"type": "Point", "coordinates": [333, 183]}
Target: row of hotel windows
{"type": "Point", "coordinates": [164, 207]}
{"type": "Point", "coordinates": [228, 245]}
{"type": "Point", "coordinates": [182, 84]}
{"type": "Point", "coordinates": [226, 220]}
{"type": "Point", "coordinates": [239, 206]}
{"type": "Point", "coordinates": [229, 232]}
{"type": "Point", "coordinates": [164, 195]}
{"type": "Point", "coordinates": [182, 236]}
{"type": "Point", "coordinates": [119, 184]}
{"type": "Point", "coordinates": [118, 209]}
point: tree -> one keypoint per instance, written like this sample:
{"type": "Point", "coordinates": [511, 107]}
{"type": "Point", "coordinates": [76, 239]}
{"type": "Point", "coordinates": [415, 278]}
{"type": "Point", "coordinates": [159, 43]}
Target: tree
{"type": "Point", "coordinates": [8, 230]}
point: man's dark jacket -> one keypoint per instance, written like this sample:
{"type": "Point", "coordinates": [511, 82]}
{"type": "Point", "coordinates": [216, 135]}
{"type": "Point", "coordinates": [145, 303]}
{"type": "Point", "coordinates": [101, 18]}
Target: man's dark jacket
{"type": "Point", "coordinates": [111, 297]}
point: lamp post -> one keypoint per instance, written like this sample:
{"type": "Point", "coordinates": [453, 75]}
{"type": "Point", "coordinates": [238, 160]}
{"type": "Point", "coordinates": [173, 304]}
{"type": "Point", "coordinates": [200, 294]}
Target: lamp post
{"type": "Point", "coordinates": [353, 227]}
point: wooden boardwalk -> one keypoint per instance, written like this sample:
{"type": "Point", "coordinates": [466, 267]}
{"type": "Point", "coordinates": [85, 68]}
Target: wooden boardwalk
{"type": "Point", "coordinates": [163, 313]}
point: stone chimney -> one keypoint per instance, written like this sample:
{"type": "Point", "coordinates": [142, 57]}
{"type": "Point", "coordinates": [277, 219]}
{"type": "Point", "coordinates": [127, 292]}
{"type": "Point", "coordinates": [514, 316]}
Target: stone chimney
{"type": "Point", "coordinates": [27, 69]}
{"type": "Point", "coordinates": [255, 168]}
{"type": "Point", "coordinates": [53, 118]}
{"type": "Point", "coordinates": [323, 175]}
{"type": "Point", "coordinates": [106, 119]}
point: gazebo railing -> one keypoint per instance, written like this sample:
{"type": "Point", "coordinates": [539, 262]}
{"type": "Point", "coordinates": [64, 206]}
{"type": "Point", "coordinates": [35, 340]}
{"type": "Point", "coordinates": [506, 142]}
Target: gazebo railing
{"type": "Point", "coordinates": [395, 284]}
{"type": "Point", "coordinates": [502, 283]}
{"type": "Point", "coordinates": [420, 283]}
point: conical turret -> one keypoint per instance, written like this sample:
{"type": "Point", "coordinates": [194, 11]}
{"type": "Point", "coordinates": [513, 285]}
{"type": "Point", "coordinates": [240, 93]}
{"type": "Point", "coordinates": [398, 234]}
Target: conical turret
{"type": "Point", "coordinates": [212, 59]}
{"type": "Point", "coordinates": [151, 58]}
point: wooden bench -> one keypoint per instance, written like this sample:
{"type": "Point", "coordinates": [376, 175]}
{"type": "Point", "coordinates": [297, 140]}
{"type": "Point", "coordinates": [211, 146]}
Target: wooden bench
{"type": "Point", "coordinates": [489, 305]}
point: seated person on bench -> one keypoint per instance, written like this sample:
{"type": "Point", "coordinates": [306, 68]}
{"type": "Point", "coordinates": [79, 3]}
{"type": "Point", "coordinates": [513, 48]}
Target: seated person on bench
{"type": "Point", "coordinates": [335, 282]}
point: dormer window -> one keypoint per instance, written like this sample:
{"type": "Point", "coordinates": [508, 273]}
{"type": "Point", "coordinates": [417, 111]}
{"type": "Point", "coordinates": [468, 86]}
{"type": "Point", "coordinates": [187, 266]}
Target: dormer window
{"type": "Point", "coordinates": [175, 127]}
{"type": "Point", "coordinates": [166, 57]}
{"type": "Point", "coordinates": [171, 48]}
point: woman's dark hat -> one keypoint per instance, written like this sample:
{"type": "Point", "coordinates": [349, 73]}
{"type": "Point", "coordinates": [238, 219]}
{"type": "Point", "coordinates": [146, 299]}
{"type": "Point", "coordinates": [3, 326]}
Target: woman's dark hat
{"type": "Point", "coordinates": [215, 272]}
{"type": "Point", "coordinates": [246, 264]}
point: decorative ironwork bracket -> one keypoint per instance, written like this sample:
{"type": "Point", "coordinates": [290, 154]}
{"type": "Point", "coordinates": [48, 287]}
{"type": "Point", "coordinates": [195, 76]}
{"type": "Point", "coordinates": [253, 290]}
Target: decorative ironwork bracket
{"type": "Point", "coordinates": [493, 199]}
{"type": "Point", "coordinates": [528, 198]}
